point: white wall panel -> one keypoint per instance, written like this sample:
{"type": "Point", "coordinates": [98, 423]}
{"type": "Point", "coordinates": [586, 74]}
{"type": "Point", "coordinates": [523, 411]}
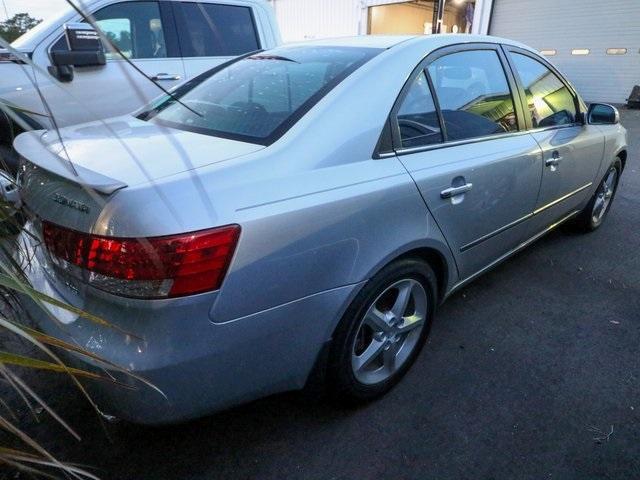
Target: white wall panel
{"type": "Point", "coordinates": [308, 19]}
{"type": "Point", "coordinates": [564, 25]}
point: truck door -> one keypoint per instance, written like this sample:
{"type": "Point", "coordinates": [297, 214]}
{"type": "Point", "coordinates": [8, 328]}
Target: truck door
{"type": "Point", "coordinates": [144, 31]}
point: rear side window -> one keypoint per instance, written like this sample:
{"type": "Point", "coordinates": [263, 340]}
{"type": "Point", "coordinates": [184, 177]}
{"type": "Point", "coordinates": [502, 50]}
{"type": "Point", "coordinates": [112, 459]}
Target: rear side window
{"type": "Point", "coordinates": [258, 98]}
{"type": "Point", "coordinates": [473, 94]}
{"type": "Point", "coordinates": [549, 100]}
{"type": "Point", "coordinates": [417, 116]}
{"type": "Point", "coordinates": [211, 30]}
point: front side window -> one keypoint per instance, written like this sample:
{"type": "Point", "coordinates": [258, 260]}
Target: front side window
{"type": "Point", "coordinates": [417, 117]}
{"type": "Point", "coordinates": [135, 28]}
{"type": "Point", "coordinates": [549, 100]}
{"type": "Point", "coordinates": [210, 30]}
{"type": "Point", "coordinates": [473, 94]}
{"type": "Point", "coordinates": [258, 98]}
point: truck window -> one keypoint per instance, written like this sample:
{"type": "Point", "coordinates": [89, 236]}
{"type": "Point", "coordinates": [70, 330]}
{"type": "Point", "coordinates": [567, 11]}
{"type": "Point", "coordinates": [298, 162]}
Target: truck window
{"type": "Point", "coordinates": [134, 27]}
{"type": "Point", "coordinates": [211, 30]}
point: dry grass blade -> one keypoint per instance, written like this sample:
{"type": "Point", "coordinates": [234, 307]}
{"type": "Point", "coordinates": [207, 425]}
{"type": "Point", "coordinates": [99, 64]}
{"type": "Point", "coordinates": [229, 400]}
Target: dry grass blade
{"type": "Point", "coordinates": [21, 467]}
{"type": "Point", "coordinates": [28, 362]}
{"type": "Point", "coordinates": [9, 264]}
{"type": "Point", "coordinates": [56, 342]}
{"type": "Point", "coordinates": [26, 439]}
{"type": "Point", "coordinates": [14, 284]}
{"type": "Point", "coordinates": [41, 402]}
{"type": "Point", "coordinates": [19, 391]}
{"type": "Point", "coordinates": [24, 457]}
{"type": "Point", "coordinates": [21, 333]}
{"type": "Point", "coordinates": [33, 456]}
{"type": "Point", "coordinates": [9, 410]}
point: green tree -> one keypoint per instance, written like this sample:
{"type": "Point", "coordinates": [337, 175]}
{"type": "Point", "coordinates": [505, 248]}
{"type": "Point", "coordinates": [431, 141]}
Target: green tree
{"type": "Point", "coordinates": [17, 25]}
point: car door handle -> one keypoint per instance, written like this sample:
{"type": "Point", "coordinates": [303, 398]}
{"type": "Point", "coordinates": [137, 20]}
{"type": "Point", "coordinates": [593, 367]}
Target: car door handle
{"type": "Point", "coordinates": [554, 161]}
{"type": "Point", "coordinates": [455, 191]}
{"type": "Point", "coordinates": [163, 77]}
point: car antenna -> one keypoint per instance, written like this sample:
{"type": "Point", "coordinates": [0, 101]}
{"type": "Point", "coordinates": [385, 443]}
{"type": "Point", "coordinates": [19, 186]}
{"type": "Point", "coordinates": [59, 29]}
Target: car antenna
{"type": "Point", "coordinates": [92, 22]}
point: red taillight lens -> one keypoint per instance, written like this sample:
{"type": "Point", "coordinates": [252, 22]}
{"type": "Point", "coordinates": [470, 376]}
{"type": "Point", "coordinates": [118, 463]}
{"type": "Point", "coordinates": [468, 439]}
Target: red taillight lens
{"type": "Point", "coordinates": [156, 267]}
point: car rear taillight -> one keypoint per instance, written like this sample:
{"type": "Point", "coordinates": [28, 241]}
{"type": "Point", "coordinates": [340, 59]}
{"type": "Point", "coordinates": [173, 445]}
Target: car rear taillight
{"type": "Point", "coordinates": [156, 267]}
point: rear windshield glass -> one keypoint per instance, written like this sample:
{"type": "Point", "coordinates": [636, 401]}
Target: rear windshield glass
{"type": "Point", "coordinates": [257, 99]}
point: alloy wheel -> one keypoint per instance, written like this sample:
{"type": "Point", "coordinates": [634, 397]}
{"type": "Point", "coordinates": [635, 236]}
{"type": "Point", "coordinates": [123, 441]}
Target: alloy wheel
{"type": "Point", "coordinates": [604, 195]}
{"type": "Point", "coordinates": [389, 331]}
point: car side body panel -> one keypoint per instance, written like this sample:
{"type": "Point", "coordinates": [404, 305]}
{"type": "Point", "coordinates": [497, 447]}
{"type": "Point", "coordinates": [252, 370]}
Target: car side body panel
{"type": "Point", "coordinates": [491, 218]}
{"type": "Point", "coordinates": [616, 144]}
{"type": "Point", "coordinates": [568, 186]}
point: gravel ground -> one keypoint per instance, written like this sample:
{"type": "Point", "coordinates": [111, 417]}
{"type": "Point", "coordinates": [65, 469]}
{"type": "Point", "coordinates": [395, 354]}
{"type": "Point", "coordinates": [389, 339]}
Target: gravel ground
{"type": "Point", "coordinates": [526, 373]}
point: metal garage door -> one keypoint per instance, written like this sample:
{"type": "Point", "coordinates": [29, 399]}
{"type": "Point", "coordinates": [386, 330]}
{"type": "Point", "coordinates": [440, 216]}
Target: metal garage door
{"type": "Point", "coordinates": [606, 33]}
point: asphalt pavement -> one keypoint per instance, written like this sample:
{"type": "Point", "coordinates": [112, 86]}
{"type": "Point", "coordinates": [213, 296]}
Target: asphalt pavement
{"type": "Point", "coordinates": [531, 372]}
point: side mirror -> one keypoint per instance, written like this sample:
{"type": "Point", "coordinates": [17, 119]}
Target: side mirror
{"type": "Point", "coordinates": [603, 114]}
{"type": "Point", "coordinates": [85, 50]}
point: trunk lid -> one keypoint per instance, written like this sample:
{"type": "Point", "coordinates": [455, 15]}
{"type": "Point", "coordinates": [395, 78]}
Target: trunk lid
{"type": "Point", "coordinates": [69, 182]}
{"type": "Point", "coordinates": [125, 151]}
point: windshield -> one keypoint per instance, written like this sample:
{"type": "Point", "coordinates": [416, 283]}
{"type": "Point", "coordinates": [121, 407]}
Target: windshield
{"type": "Point", "coordinates": [258, 98]}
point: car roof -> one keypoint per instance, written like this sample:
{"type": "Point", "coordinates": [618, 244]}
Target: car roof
{"type": "Point", "coordinates": [389, 41]}
{"type": "Point", "coordinates": [363, 41]}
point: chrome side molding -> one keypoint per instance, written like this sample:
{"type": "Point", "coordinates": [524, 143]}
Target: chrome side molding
{"type": "Point", "coordinates": [564, 197]}
{"type": "Point", "coordinates": [511, 252]}
{"type": "Point", "coordinates": [489, 235]}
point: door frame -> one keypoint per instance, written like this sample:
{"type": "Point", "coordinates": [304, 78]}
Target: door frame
{"type": "Point", "coordinates": [580, 105]}
{"type": "Point", "coordinates": [389, 143]}
{"type": "Point", "coordinates": [580, 123]}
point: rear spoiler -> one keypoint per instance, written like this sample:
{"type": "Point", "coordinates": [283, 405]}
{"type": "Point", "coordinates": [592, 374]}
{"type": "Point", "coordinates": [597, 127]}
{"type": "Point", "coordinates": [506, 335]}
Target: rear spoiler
{"type": "Point", "coordinates": [32, 148]}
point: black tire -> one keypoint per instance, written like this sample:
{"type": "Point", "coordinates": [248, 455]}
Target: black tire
{"type": "Point", "coordinates": [585, 221]}
{"type": "Point", "coordinates": [342, 383]}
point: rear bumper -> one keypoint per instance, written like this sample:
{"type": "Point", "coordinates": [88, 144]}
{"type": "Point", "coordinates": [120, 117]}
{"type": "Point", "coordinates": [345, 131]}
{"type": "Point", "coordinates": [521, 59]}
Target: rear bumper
{"type": "Point", "coordinates": [200, 366]}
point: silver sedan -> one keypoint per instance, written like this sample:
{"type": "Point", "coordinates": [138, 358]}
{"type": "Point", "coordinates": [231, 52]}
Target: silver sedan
{"type": "Point", "coordinates": [298, 214]}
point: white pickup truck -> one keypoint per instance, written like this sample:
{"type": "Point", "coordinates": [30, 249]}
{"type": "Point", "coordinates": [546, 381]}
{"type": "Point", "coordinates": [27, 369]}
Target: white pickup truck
{"type": "Point", "coordinates": [170, 41]}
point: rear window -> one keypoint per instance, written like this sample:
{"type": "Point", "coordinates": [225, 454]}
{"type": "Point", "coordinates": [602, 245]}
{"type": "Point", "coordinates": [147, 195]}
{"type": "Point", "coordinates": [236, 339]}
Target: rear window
{"type": "Point", "coordinates": [258, 98]}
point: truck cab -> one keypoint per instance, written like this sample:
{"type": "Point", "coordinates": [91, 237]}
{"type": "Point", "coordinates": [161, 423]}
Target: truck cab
{"type": "Point", "coordinates": [170, 41]}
